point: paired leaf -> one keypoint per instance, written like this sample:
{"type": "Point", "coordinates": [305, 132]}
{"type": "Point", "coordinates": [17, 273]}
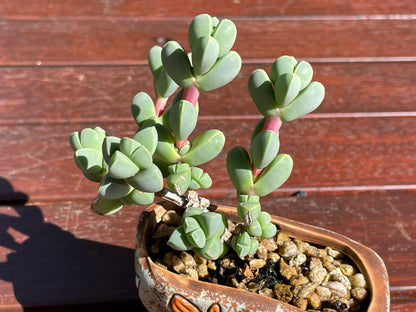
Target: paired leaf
{"type": "Point", "coordinates": [287, 88]}
{"type": "Point", "coordinates": [263, 148]}
{"type": "Point", "coordinates": [204, 147]}
{"type": "Point", "coordinates": [182, 119]}
{"type": "Point", "coordinates": [282, 65]}
{"type": "Point", "coordinates": [274, 175]}
{"type": "Point", "coordinates": [248, 208]}
{"type": "Point", "coordinates": [225, 33]}
{"type": "Point", "coordinates": [106, 207]}
{"type": "Point", "coordinates": [307, 101]}
{"type": "Point", "coordinates": [239, 169]}
{"type": "Point", "coordinates": [179, 178]}
{"type": "Point", "coordinates": [111, 188]}
{"type": "Point", "coordinates": [166, 150]}
{"type": "Point", "coordinates": [224, 70]}
{"type": "Point", "coordinates": [199, 179]}
{"type": "Point", "coordinates": [305, 72]}
{"type": "Point", "coordinates": [201, 26]}
{"type": "Point", "coordinates": [148, 180]}
{"type": "Point", "coordinates": [148, 138]}
{"type": "Point", "coordinates": [244, 245]}
{"type": "Point", "coordinates": [176, 63]}
{"type": "Point", "coordinates": [205, 51]}
{"type": "Point", "coordinates": [262, 93]}
{"type": "Point", "coordinates": [121, 167]}
{"type": "Point", "coordinates": [142, 108]}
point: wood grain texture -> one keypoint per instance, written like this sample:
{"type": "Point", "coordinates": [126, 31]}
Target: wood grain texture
{"type": "Point", "coordinates": [90, 251]}
{"type": "Point", "coordinates": [111, 41]}
{"type": "Point", "coordinates": [160, 8]}
{"type": "Point", "coordinates": [63, 93]}
{"type": "Point", "coordinates": [343, 152]}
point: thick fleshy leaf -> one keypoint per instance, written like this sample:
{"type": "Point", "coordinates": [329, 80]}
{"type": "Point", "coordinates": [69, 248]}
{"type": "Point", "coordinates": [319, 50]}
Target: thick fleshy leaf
{"type": "Point", "coordinates": [205, 51]}
{"type": "Point", "coordinates": [142, 108]}
{"type": "Point", "coordinates": [211, 223]}
{"type": "Point", "coordinates": [200, 26]}
{"type": "Point", "coordinates": [274, 175]}
{"type": "Point", "coordinates": [179, 178]}
{"type": "Point", "coordinates": [165, 85]}
{"type": "Point", "coordinates": [106, 207]}
{"type": "Point", "coordinates": [254, 229]}
{"type": "Point", "coordinates": [239, 169]}
{"type": "Point", "coordinates": [261, 91]}
{"type": "Point", "coordinates": [166, 150]}
{"type": "Point", "coordinates": [214, 248]}
{"type": "Point", "coordinates": [147, 180]}
{"type": "Point", "coordinates": [121, 167]}
{"type": "Point", "coordinates": [182, 119]}
{"type": "Point", "coordinates": [191, 211]}
{"type": "Point", "coordinates": [204, 147]}
{"type": "Point", "coordinates": [138, 198]}
{"type": "Point", "coordinates": [244, 245]}
{"type": "Point", "coordinates": [222, 72]}
{"type": "Point", "coordinates": [154, 60]}
{"type": "Point", "coordinates": [110, 145]}
{"type": "Point", "coordinates": [194, 232]}
{"type": "Point", "coordinates": [284, 64]}
{"type": "Point", "coordinates": [264, 148]}
{"type": "Point", "coordinates": [75, 141]}
{"type": "Point", "coordinates": [142, 158]}
{"type": "Point", "coordinates": [267, 227]}
{"type": "Point", "coordinates": [305, 72]}
{"type": "Point", "coordinates": [178, 240]}
{"type": "Point", "coordinates": [248, 208]}
{"type": "Point", "coordinates": [128, 146]}
{"type": "Point", "coordinates": [176, 63]}
{"type": "Point", "coordinates": [225, 33]}
{"type": "Point", "coordinates": [89, 160]}
{"type": "Point", "coordinates": [91, 138]}
{"type": "Point", "coordinates": [287, 88]}
{"type": "Point", "coordinates": [148, 138]}
{"type": "Point", "coordinates": [307, 101]}
{"type": "Point", "coordinates": [111, 188]}
{"type": "Point", "coordinates": [199, 179]}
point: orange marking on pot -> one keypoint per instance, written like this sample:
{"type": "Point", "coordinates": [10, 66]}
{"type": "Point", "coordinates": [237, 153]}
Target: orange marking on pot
{"type": "Point", "coordinates": [181, 304]}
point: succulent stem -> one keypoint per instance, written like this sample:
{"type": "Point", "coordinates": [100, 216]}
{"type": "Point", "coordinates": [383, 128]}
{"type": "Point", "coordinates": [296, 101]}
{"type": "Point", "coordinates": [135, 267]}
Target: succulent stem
{"type": "Point", "coordinates": [191, 94]}
{"type": "Point", "coordinates": [160, 106]}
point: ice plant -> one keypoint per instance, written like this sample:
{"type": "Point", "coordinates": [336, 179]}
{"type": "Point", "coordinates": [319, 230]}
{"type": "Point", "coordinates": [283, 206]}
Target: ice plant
{"type": "Point", "coordinates": [135, 170]}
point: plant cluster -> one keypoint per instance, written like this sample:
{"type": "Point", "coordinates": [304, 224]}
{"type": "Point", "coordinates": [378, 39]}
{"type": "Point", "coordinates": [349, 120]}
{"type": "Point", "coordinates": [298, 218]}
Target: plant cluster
{"type": "Point", "coordinates": [134, 170]}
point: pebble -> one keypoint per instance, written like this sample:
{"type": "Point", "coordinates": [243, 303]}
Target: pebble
{"type": "Point", "coordinates": [324, 293]}
{"type": "Point", "coordinates": [286, 270]}
{"type": "Point", "coordinates": [267, 292]}
{"type": "Point", "coordinates": [304, 291]}
{"type": "Point", "coordinates": [314, 301]}
{"type": "Point", "coordinates": [288, 249]}
{"type": "Point", "coordinates": [178, 265]}
{"type": "Point", "coordinates": [298, 260]}
{"type": "Point", "coordinates": [336, 288]}
{"type": "Point", "coordinates": [301, 303]}
{"type": "Point", "coordinates": [283, 292]}
{"type": "Point", "coordinates": [317, 275]}
{"type": "Point", "coordinates": [360, 294]}
{"type": "Point", "coordinates": [187, 259]}
{"type": "Point", "coordinates": [256, 264]}
{"type": "Point", "coordinates": [357, 280]}
{"type": "Point", "coordinates": [298, 280]}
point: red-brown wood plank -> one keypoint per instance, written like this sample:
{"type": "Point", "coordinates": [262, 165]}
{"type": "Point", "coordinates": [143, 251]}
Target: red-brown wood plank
{"type": "Point", "coordinates": [99, 93]}
{"type": "Point", "coordinates": [82, 257]}
{"type": "Point", "coordinates": [160, 8]}
{"type": "Point", "coordinates": [334, 154]}
{"type": "Point", "coordinates": [114, 41]}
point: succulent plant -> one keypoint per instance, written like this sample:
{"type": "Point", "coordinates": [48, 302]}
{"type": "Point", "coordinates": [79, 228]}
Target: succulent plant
{"type": "Point", "coordinates": [164, 151]}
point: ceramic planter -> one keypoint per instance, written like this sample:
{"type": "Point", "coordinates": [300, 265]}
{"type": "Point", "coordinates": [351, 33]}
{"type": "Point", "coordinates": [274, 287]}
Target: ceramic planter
{"type": "Point", "coordinates": [161, 290]}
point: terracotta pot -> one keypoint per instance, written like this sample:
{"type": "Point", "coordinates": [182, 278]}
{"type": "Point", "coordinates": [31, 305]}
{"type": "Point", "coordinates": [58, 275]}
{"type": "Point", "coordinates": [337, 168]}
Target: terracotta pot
{"type": "Point", "coordinates": [161, 290]}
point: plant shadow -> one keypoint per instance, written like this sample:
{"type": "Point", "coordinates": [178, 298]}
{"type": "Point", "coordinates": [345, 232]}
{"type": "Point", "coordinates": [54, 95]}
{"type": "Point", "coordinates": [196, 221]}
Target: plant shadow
{"type": "Point", "coordinates": [51, 269]}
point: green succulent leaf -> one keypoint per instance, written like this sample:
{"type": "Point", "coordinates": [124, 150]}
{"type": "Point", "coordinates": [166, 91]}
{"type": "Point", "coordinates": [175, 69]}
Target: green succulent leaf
{"type": "Point", "coordinates": [264, 148]}
{"type": "Point", "coordinates": [205, 51]}
{"type": "Point", "coordinates": [143, 108]}
{"type": "Point", "coordinates": [138, 198]}
{"type": "Point", "coordinates": [222, 72]}
{"type": "Point", "coordinates": [204, 147]}
{"type": "Point", "coordinates": [200, 26]}
{"type": "Point", "coordinates": [148, 138]}
{"type": "Point", "coordinates": [91, 138]}
{"type": "Point", "coordinates": [211, 223]}
{"type": "Point", "coordinates": [239, 169]}
{"type": "Point", "coordinates": [262, 93]}
{"type": "Point", "coordinates": [214, 248]}
{"type": "Point", "coordinates": [199, 179]}
{"type": "Point", "coordinates": [89, 160]}
{"type": "Point", "coordinates": [248, 205]}
{"type": "Point", "coordinates": [166, 151]}
{"type": "Point", "coordinates": [267, 227]}
{"type": "Point", "coordinates": [182, 119]}
{"type": "Point", "coordinates": [254, 229]}
{"type": "Point", "coordinates": [177, 64]}
{"type": "Point", "coordinates": [148, 180]}
{"type": "Point", "coordinates": [194, 232]}
{"type": "Point", "coordinates": [179, 178]}
{"type": "Point", "coordinates": [244, 245]}
{"type": "Point", "coordinates": [305, 72]}
{"type": "Point", "coordinates": [138, 154]}
{"type": "Point", "coordinates": [110, 145]}
{"type": "Point", "coordinates": [225, 33]}
{"type": "Point", "coordinates": [287, 88]}
{"type": "Point", "coordinates": [165, 86]}
{"type": "Point", "coordinates": [178, 240]}
{"type": "Point", "coordinates": [284, 64]}
{"type": "Point", "coordinates": [111, 188]}
{"type": "Point", "coordinates": [106, 207]}
{"type": "Point", "coordinates": [191, 211]}
{"type": "Point", "coordinates": [121, 167]}
{"type": "Point", "coordinates": [154, 60]}
{"type": "Point", "coordinates": [274, 175]}
{"type": "Point", "coordinates": [307, 101]}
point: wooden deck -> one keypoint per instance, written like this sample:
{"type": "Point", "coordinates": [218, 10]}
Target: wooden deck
{"type": "Point", "coordinates": [66, 65]}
